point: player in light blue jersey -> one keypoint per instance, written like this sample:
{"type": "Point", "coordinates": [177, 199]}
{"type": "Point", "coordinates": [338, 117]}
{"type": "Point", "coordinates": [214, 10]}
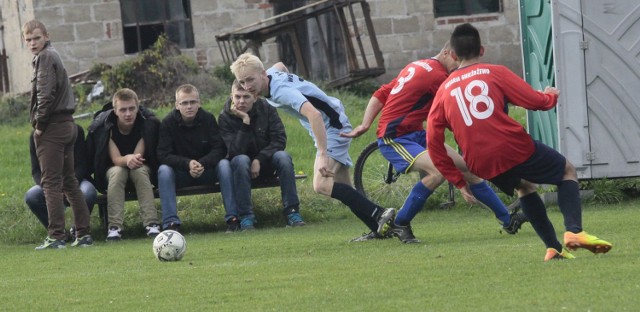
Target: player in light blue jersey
{"type": "Point", "coordinates": [323, 116]}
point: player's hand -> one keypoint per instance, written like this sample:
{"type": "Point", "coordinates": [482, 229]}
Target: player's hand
{"type": "Point", "coordinates": [323, 166]}
{"type": "Point", "coordinates": [551, 90]}
{"type": "Point", "coordinates": [240, 114]}
{"type": "Point", "coordinates": [134, 161]}
{"type": "Point", "coordinates": [195, 168]}
{"type": "Point", "coordinates": [356, 132]}
{"type": "Point", "coordinates": [255, 168]}
{"type": "Point", "coordinates": [467, 195]}
{"type": "Point", "coordinates": [37, 132]}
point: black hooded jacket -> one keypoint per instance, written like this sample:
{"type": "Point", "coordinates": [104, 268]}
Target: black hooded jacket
{"type": "Point", "coordinates": [263, 137]}
{"type": "Point", "coordinates": [98, 144]}
{"type": "Point", "coordinates": [179, 143]}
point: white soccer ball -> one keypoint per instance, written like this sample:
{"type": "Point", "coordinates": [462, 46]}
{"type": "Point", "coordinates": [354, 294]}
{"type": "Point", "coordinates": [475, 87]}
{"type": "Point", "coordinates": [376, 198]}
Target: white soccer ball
{"type": "Point", "coordinates": [169, 245]}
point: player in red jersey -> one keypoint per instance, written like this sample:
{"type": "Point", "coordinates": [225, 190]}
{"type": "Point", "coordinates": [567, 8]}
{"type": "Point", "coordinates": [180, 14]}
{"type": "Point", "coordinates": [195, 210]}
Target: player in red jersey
{"type": "Point", "coordinates": [471, 103]}
{"type": "Point", "coordinates": [405, 104]}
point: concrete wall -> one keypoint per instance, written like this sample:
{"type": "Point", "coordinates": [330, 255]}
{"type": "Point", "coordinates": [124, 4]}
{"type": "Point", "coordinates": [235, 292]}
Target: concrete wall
{"type": "Point", "coordinates": [90, 31]}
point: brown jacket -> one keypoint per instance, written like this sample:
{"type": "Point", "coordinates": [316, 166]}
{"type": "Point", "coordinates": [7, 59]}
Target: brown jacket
{"type": "Point", "coordinates": [51, 95]}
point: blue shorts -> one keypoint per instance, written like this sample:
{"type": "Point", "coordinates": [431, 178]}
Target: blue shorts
{"type": "Point", "coordinates": [338, 147]}
{"type": "Point", "coordinates": [545, 166]}
{"type": "Point", "coordinates": [402, 151]}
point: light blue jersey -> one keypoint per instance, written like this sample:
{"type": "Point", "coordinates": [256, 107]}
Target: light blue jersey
{"type": "Point", "coordinates": [288, 92]}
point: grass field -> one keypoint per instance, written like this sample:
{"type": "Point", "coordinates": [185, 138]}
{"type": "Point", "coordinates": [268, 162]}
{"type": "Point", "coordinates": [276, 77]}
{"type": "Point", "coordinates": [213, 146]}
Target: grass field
{"type": "Point", "coordinates": [464, 264]}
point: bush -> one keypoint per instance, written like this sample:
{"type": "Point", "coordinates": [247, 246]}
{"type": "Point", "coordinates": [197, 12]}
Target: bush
{"type": "Point", "coordinates": [612, 191]}
{"type": "Point", "coordinates": [363, 88]}
{"type": "Point", "coordinates": [14, 109]}
{"type": "Point", "coordinates": [156, 73]}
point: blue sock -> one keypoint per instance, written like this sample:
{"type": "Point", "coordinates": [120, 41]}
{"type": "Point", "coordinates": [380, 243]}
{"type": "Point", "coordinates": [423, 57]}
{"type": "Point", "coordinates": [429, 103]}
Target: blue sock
{"type": "Point", "coordinates": [414, 203]}
{"type": "Point", "coordinates": [487, 196]}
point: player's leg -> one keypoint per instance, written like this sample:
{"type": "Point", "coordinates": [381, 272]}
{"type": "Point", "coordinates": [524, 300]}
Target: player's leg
{"type": "Point", "coordinates": [548, 166]}
{"type": "Point", "coordinates": [407, 153]}
{"type": "Point", "coordinates": [483, 193]}
{"type": "Point", "coordinates": [368, 212]}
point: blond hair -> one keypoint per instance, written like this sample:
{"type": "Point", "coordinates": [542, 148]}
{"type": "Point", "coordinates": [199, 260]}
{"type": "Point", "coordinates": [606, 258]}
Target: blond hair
{"type": "Point", "coordinates": [124, 94]}
{"type": "Point", "coordinates": [246, 61]}
{"type": "Point", "coordinates": [32, 25]}
{"type": "Point", "coordinates": [187, 88]}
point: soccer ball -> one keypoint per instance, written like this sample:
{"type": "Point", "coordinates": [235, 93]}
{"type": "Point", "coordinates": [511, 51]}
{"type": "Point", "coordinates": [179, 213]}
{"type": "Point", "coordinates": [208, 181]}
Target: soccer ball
{"type": "Point", "coordinates": [169, 245]}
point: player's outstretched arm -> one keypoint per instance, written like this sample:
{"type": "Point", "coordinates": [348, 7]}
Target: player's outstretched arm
{"type": "Point", "coordinates": [373, 108]}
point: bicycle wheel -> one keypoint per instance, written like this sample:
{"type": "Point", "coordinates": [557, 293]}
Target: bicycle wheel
{"type": "Point", "coordinates": [376, 179]}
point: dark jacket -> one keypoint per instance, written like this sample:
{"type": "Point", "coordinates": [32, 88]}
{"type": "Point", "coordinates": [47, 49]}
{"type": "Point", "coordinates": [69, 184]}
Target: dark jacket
{"type": "Point", "coordinates": [259, 140]}
{"type": "Point", "coordinates": [51, 95]}
{"type": "Point", "coordinates": [81, 166]}
{"type": "Point", "coordinates": [179, 143]}
{"type": "Point", "coordinates": [99, 133]}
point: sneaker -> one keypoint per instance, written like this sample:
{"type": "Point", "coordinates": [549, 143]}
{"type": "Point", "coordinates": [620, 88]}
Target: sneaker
{"type": "Point", "coordinates": [84, 241]}
{"type": "Point", "coordinates": [517, 219]}
{"type": "Point", "coordinates": [246, 224]}
{"type": "Point", "coordinates": [152, 229]}
{"type": "Point", "coordinates": [173, 226]}
{"type": "Point", "coordinates": [384, 218]}
{"type": "Point", "coordinates": [587, 241]}
{"type": "Point", "coordinates": [72, 234]}
{"type": "Point", "coordinates": [404, 233]}
{"type": "Point", "coordinates": [553, 254]}
{"type": "Point", "coordinates": [50, 243]}
{"type": "Point", "coordinates": [233, 225]}
{"type": "Point", "coordinates": [370, 236]}
{"type": "Point", "coordinates": [114, 234]}
{"type": "Point", "coordinates": [295, 219]}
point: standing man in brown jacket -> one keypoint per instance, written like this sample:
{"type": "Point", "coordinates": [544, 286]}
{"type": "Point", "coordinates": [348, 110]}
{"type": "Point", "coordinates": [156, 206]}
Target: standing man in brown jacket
{"type": "Point", "coordinates": [51, 115]}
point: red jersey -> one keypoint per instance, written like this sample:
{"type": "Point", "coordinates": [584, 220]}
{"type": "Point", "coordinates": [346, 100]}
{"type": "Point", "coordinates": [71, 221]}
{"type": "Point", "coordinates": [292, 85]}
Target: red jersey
{"type": "Point", "coordinates": [407, 98]}
{"type": "Point", "coordinates": [471, 104]}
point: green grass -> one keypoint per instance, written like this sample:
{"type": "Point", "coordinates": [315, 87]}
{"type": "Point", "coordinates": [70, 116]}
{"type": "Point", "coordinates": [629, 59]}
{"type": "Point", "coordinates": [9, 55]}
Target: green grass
{"type": "Point", "coordinates": [464, 264]}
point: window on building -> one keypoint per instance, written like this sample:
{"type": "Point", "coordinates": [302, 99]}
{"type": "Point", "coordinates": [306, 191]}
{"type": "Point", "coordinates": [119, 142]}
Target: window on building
{"type": "Point", "coordinates": [143, 21]}
{"type": "Point", "coordinates": [465, 7]}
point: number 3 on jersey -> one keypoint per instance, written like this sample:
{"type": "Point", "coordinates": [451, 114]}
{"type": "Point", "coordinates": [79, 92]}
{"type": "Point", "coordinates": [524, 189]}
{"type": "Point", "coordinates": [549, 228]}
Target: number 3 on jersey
{"type": "Point", "coordinates": [474, 100]}
{"type": "Point", "coordinates": [403, 80]}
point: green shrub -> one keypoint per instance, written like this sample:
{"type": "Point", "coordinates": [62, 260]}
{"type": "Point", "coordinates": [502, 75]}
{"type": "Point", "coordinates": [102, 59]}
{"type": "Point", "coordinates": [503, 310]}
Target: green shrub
{"type": "Point", "coordinates": [156, 73]}
{"type": "Point", "coordinates": [14, 109]}
{"type": "Point", "coordinates": [363, 88]}
{"type": "Point", "coordinates": [605, 191]}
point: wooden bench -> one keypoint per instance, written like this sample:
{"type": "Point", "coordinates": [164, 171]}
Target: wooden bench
{"type": "Point", "coordinates": [186, 191]}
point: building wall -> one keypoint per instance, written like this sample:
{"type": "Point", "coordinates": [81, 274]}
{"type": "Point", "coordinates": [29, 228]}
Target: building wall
{"type": "Point", "coordinates": [90, 31]}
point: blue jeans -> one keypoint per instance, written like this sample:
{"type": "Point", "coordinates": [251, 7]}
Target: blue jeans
{"type": "Point", "coordinates": [281, 165]}
{"type": "Point", "coordinates": [34, 198]}
{"type": "Point", "coordinates": [170, 179]}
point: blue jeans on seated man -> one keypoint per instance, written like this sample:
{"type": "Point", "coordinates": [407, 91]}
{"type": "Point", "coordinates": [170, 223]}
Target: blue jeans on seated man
{"type": "Point", "coordinates": [170, 179]}
{"type": "Point", "coordinates": [34, 198]}
{"type": "Point", "coordinates": [281, 166]}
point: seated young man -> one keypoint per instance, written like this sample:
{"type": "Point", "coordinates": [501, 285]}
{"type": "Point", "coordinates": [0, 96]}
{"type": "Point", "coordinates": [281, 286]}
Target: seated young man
{"type": "Point", "coordinates": [191, 152]}
{"type": "Point", "coordinates": [255, 140]}
{"type": "Point", "coordinates": [122, 144]}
